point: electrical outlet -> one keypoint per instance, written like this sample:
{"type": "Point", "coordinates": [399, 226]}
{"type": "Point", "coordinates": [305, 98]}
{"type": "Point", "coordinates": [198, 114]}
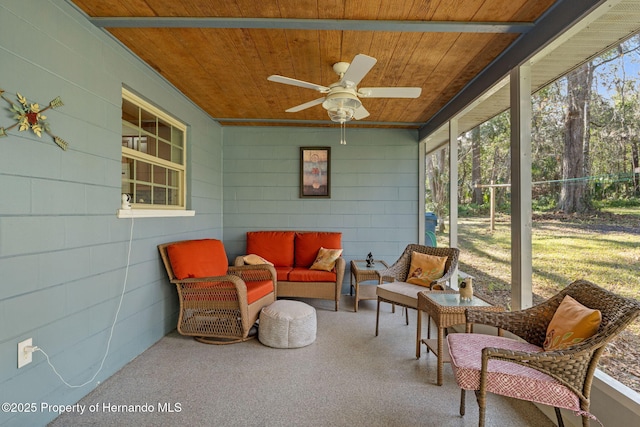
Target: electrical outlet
{"type": "Point", "coordinates": [24, 357]}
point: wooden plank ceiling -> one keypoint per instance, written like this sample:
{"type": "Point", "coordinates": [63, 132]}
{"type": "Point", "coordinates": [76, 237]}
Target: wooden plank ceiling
{"type": "Point", "coordinates": [225, 70]}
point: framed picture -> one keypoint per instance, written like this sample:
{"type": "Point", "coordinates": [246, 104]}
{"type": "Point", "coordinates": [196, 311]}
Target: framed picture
{"type": "Point", "coordinates": [315, 172]}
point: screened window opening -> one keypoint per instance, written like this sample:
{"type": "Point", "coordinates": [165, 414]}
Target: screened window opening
{"type": "Point", "coordinates": [153, 156]}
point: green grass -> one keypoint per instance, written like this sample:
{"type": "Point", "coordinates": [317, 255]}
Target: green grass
{"type": "Point", "coordinates": [562, 252]}
{"type": "Point", "coordinates": [620, 210]}
{"type": "Point", "coordinates": [605, 251]}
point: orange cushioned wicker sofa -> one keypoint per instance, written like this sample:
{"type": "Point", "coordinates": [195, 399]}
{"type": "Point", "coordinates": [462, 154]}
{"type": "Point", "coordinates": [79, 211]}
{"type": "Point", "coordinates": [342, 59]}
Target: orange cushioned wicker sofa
{"type": "Point", "coordinates": [292, 253]}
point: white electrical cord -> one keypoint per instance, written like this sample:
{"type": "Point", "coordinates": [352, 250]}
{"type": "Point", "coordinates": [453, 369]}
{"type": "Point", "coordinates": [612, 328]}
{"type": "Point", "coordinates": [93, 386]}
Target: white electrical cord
{"type": "Point", "coordinates": [124, 287]}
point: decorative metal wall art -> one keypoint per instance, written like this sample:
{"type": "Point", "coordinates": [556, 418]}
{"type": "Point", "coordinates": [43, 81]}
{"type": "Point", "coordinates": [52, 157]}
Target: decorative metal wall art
{"type": "Point", "coordinates": [29, 116]}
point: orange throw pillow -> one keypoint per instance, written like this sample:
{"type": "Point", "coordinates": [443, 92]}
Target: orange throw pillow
{"type": "Point", "coordinates": [326, 259]}
{"type": "Point", "coordinates": [572, 323]}
{"type": "Point", "coordinates": [425, 268]}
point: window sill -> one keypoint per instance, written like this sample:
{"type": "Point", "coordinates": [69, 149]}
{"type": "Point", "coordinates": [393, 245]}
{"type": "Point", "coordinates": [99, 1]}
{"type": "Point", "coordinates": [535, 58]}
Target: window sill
{"type": "Point", "coordinates": [152, 213]}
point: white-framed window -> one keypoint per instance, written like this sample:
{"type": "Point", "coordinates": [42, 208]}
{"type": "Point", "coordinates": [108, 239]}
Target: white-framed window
{"type": "Point", "coordinates": [153, 155]}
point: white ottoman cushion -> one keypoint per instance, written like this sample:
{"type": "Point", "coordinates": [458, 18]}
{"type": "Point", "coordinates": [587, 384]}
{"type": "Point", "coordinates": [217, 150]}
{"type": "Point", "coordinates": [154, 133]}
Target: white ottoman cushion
{"type": "Point", "coordinates": [287, 324]}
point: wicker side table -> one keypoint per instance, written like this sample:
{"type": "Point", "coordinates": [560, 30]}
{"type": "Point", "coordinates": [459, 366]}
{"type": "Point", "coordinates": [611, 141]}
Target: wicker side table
{"type": "Point", "coordinates": [361, 273]}
{"type": "Point", "coordinates": [446, 309]}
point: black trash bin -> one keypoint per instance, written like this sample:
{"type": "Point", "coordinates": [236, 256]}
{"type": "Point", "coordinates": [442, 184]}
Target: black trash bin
{"type": "Point", "coordinates": [430, 224]}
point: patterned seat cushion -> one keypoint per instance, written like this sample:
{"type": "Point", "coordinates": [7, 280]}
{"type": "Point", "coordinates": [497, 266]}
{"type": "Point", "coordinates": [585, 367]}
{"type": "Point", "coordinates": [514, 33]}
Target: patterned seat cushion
{"type": "Point", "coordinates": [505, 378]}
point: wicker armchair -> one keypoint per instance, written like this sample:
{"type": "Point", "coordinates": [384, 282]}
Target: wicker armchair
{"type": "Point", "coordinates": [400, 269]}
{"type": "Point", "coordinates": [220, 309]}
{"type": "Point", "coordinates": [558, 378]}
{"type": "Point", "coordinates": [403, 294]}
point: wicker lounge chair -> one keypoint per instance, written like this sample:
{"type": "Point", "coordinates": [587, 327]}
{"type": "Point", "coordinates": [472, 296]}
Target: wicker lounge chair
{"type": "Point", "coordinates": [558, 378]}
{"type": "Point", "coordinates": [400, 269]}
{"type": "Point", "coordinates": [403, 294]}
{"type": "Point", "coordinates": [222, 306]}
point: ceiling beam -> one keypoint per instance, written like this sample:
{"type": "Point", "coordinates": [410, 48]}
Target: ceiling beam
{"type": "Point", "coordinates": [360, 123]}
{"type": "Point", "coordinates": [313, 24]}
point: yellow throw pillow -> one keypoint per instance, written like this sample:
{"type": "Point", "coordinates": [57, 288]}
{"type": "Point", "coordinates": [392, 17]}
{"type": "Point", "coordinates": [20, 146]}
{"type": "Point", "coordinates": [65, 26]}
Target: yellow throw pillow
{"type": "Point", "coordinates": [326, 259]}
{"type": "Point", "coordinates": [253, 259]}
{"type": "Point", "coordinates": [425, 268]}
{"type": "Point", "coordinates": [571, 324]}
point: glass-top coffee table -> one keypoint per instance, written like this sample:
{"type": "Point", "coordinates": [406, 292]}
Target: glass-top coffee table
{"type": "Point", "coordinates": [446, 309]}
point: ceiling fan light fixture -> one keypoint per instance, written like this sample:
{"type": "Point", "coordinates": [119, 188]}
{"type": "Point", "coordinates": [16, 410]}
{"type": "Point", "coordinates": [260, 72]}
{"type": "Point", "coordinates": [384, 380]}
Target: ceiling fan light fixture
{"type": "Point", "coordinates": [341, 115]}
{"type": "Point", "coordinates": [341, 105]}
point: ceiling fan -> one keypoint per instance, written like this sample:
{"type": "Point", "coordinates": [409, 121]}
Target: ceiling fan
{"type": "Point", "coordinates": [342, 100]}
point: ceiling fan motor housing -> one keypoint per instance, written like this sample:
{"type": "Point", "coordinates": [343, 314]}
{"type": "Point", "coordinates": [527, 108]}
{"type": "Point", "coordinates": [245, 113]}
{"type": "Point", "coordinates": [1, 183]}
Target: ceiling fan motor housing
{"type": "Point", "coordinates": [341, 98]}
{"type": "Point", "coordinates": [340, 68]}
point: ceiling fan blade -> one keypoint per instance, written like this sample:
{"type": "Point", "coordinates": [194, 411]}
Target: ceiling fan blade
{"type": "Point", "coordinates": [305, 105]}
{"type": "Point", "coordinates": [389, 92]}
{"type": "Point", "coordinates": [360, 113]}
{"type": "Point", "coordinates": [295, 82]}
{"type": "Point", "coordinates": [359, 68]}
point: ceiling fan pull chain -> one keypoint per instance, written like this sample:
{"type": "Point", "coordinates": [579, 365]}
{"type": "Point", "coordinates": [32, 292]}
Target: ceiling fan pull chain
{"type": "Point", "coordinates": [343, 134]}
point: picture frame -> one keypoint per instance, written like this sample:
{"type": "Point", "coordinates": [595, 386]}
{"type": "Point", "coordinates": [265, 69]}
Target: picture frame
{"type": "Point", "coordinates": [315, 172]}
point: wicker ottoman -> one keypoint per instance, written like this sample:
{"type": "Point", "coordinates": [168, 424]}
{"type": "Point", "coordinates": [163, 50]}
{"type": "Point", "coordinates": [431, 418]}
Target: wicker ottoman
{"type": "Point", "coordinates": [287, 324]}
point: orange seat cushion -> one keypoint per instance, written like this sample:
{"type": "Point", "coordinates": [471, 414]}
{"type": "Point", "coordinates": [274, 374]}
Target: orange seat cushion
{"type": "Point", "coordinates": [274, 246]}
{"type": "Point", "coordinates": [257, 289]}
{"type": "Point", "coordinates": [198, 258]}
{"type": "Point", "coordinates": [282, 273]}
{"type": "Point", "coordinates": [307, 245]}
{"type": "Point", "coordinates": [299, 274]}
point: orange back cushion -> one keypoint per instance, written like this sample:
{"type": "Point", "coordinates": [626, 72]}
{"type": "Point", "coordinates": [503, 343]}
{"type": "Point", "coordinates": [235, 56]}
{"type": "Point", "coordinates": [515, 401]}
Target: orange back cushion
{"type": "Point", "coordinates": [274, 246]}
{"type": "Point", "coordinates": [198, 258]}
{"type": "Point", "coordinates": [309, 243]}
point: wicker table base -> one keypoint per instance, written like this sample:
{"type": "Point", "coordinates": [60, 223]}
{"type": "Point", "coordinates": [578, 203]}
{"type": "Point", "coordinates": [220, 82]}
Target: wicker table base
{"type": "Point", "coordinates": [361, 273]}
{"type": "Point", "coordinates": [446, 309]}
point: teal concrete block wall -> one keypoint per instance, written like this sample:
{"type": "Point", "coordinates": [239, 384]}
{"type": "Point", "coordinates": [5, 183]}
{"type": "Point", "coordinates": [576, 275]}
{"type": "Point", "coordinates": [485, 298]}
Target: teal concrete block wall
{"type": "Point", "coordinates": [63, 252]}
{"type": "Point", "coordinates": [374, 187]}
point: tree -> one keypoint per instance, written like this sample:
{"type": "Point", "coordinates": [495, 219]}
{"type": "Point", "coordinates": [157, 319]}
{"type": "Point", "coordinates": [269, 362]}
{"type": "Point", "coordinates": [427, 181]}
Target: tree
{"type": "Point", "coordinates": [496, 154]}
{"type": "Point", "coordinates": [615, 124]}
{"type": "Point", "coordinates": [476, 168]}
{"type": "Point", "coordinates": [573, 195]}
{"type": "Point", "coordinates": [438, 179]}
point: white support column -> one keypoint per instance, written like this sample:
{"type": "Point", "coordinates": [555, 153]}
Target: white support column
{"type": "Point", "coordinates": [453, 183]}
{"type": "Point", "coordinates": [422, 190]}
{"type": "Point", "coordinates": [521, 213]}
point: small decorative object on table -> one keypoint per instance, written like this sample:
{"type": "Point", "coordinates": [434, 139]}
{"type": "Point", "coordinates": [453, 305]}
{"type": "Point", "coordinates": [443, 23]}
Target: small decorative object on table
{"type": "Point", "coordinates": [370, 261]}
{"type": "Point", "coordinates": [466, 289]}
